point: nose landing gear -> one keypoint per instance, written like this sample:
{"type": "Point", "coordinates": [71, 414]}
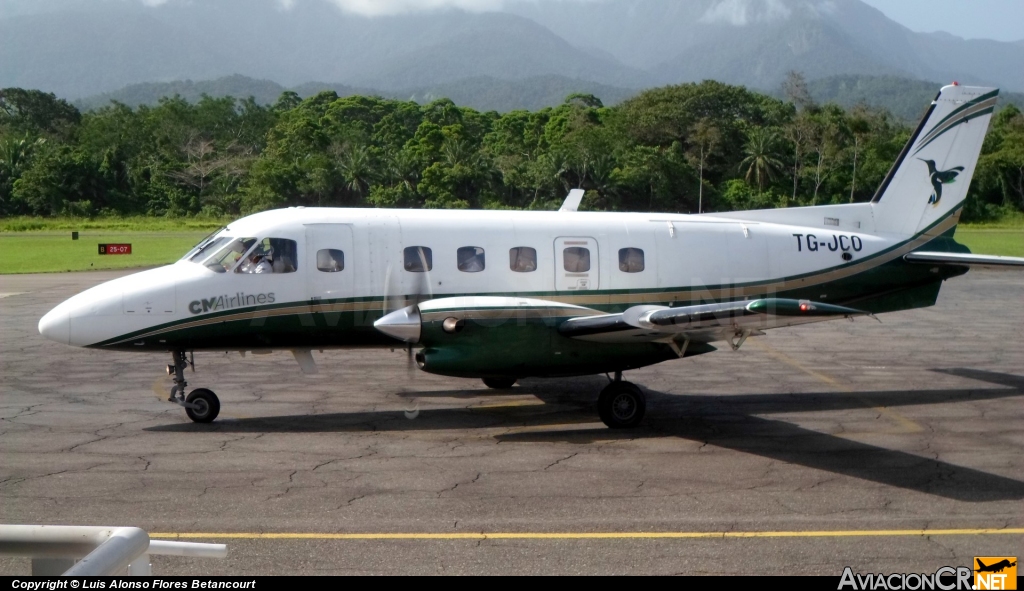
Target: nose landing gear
{"type": "Point", "coordinates": [201, 405]}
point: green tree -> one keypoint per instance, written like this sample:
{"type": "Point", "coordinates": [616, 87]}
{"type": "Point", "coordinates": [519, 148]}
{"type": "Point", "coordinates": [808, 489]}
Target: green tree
{"type": "Point", "coordinates": [761, 161]}
{"type": "Point", "coordinates": [860, 127]}
{"type": "Point", "coordinates": [704, 140]}
{"type": "Point", "coordinates": [357, 167]}
{"type": "Point", "coordinates": [35, 112]}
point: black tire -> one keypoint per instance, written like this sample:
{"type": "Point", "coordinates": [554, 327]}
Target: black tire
{"type": "Point", "coordinates": [622, 405]}
{"type": "Point", "coordinates": [500, 383]}
{"type": "Point", "coordinates": [207, 403]}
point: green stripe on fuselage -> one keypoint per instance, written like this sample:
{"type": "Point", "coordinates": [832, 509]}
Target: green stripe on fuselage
{"type": "Point", "coordinates": [314, 325]}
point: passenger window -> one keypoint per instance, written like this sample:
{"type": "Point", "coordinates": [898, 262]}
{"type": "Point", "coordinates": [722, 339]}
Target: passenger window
{"type": "Point", "coordinates": [224, 259]}
{"type": "Point", "coordinates": [330, 260]}
{"type": "Point", "coordinates": [418, 259]}
{"type": "Point", "coordinates": [471, 259]}
{"type": "Point", "coordinates": [631, 260]}
{"type": "Point", "coordinates": [576, 259]}
{"type": "Point", "coordinates": [271, 255]}
{"type": "Point", "coordinates": [522, 259]}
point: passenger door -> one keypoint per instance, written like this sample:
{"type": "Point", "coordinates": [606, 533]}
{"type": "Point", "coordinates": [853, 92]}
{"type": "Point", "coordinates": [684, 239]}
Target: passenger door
{"type": "Point", "coordinates": [329, 261]}
{"type": "Point", "coordinates": [576, 264]}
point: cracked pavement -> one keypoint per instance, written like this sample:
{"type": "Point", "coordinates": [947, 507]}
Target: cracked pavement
{"type": "Point", "coordinates": [910, 424]}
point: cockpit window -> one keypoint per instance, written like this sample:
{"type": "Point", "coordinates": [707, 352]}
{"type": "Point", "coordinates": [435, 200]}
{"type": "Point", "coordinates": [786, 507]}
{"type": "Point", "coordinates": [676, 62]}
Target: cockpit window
{"type": "Point", "coordinates": [270, 255]}
{"type": "Point", "coordinates": [203, 245]}
{"type": "Point", "coordinates": [205, 249]}
{"type": "Point", "coordinates": [224, 258]}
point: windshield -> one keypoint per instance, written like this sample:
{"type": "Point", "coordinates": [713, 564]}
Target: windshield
{"type": "Point", "coordinates": [206, 249]}
{"type": "Point", "coordinates": [223, 258]}
{"type": "Point", "coordinates": [203, 244]}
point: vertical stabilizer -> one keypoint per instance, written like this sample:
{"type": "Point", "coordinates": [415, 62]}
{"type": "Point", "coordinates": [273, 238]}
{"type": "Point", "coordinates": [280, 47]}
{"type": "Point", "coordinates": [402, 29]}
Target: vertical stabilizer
{"type": "Point", "coordinates": [933, 172]}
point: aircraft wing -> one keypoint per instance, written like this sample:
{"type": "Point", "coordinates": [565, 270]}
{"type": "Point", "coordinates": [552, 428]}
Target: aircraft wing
{"type": "Point", "coordinates": [963, 259]}
{"type": "Point", "coordinates": [702, 323]}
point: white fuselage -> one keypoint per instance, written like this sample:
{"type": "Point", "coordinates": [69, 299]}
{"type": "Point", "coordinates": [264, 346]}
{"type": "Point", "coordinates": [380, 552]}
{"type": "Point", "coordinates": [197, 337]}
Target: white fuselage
{"type": "Point", "coordinates": [685, 257]}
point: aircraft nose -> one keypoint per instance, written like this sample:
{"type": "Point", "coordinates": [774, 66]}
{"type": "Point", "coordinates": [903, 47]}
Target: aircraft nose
{"type": "Point", "coordinates": [56, 325]}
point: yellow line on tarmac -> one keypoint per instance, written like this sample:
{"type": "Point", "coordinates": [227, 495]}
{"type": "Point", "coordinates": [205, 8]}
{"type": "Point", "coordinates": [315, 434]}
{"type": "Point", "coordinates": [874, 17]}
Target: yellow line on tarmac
{"type": "Point", "coordinates": [590, 536]}
{"type": "Point", "coordinates": [908, 425]}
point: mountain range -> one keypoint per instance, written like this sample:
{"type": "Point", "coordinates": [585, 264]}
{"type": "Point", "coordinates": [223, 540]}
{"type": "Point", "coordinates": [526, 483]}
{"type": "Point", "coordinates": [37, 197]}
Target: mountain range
{"type": "Point", "coordinates": [903, 97]}
{"type": "Point", "coordinates": [83, 48]}
{"type": "Point", "coordinates": [483, 93]}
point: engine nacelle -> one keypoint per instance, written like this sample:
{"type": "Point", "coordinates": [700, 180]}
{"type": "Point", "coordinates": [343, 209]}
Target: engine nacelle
{"type": "Point", "coordinates": [526, 347]}
{"type": "Point", "coordinates": [481, 337]}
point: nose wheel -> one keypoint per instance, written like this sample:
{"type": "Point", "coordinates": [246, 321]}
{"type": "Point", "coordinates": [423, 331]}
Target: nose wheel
{"type": "Point", "coordinates": [201, 405]}
{"type": "Point", "coordinates": [621, 405]}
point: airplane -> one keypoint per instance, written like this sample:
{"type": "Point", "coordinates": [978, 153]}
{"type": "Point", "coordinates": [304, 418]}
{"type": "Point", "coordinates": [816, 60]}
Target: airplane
{"type": "Point", "coordinates": [506, 295]}
{"type": "Point", "coordinates": [994, 568]}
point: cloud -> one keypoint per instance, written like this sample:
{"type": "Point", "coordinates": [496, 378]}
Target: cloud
{"type": "Point", "coordinates": [739, 13]}
{"type": "Point", "coordinates": [392, 7]}
{"type": "Point", "coordinates": [389, 7]}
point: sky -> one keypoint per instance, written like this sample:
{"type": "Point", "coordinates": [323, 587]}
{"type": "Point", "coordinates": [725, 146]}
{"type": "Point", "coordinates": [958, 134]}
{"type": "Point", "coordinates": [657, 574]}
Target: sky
{"type": "Point", "coordinates": [1002, 20]}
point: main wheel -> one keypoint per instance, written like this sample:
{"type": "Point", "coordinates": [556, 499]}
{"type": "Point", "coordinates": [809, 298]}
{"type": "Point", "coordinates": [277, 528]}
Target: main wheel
{"type": "Point", "coordinates": [204, 405]}
{"type": "Point", "coordinates": [500, 383]}
{"type": "Point", "coordinates": [621, 405]}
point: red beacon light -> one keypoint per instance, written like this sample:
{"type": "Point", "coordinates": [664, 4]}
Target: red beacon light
{"type": "Point", "coordinates": [955, 83]}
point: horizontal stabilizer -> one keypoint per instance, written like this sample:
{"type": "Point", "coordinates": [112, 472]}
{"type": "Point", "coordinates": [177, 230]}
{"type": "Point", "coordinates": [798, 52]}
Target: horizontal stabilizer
{"type": "Point", "coordinates": [963, 259]}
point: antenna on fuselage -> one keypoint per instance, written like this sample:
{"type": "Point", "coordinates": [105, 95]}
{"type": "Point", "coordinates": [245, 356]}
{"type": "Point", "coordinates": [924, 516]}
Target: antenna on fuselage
{"type": "Point", "coordinates": [572, 202]}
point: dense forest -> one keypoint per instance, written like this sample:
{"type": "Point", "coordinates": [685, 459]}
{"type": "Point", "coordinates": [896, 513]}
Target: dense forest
{"type": "Point", "coordinates": [707, 146]}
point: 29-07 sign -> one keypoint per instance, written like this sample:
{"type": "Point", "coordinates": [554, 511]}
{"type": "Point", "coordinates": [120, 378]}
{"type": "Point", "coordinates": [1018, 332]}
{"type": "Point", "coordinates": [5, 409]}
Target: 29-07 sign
{"type": "Point", "coordinates": [115, 249]}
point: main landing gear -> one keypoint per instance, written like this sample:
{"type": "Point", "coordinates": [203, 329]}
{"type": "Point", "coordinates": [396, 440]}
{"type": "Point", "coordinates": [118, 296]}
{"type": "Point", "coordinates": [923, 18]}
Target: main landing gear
{"type": "Point", "coordinates": [621, 405]}
{"type": "Point", "coordinates": [201, 405]}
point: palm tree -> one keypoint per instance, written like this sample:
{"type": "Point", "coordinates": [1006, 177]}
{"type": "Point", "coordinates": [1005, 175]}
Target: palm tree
{"type": "Point", "coordinates": [402, 170]}
{"type": "Point", "coordinates": [761, 161]}
{"type": "Point", "coordinates": [704, 140]}
{"type": "Point", "coordinates": [357, 168]}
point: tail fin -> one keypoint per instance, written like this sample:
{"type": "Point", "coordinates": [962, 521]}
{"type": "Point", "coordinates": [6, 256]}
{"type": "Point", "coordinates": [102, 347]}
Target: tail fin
{"type": "Point", "coordinates": [933, 172]}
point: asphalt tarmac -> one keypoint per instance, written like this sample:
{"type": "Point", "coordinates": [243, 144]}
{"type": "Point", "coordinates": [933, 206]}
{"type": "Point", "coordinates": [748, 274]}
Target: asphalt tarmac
{"type": "Point", "coordinates": [810, 449]}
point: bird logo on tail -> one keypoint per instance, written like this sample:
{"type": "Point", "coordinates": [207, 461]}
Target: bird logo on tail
{"type": "Point", "coordinates": [939, 178]}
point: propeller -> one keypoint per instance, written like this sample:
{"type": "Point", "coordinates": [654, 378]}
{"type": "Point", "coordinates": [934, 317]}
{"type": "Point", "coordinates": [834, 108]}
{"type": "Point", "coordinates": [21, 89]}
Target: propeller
{"type": "Point", "coordinates": [393, 302]}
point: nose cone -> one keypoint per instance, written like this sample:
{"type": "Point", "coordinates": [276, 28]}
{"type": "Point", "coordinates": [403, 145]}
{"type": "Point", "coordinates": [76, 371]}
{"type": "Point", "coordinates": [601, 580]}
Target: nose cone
{"type": "Point", "coordinates": [56, 325]}
{"type": "Point", "coordinates": [403, 324]}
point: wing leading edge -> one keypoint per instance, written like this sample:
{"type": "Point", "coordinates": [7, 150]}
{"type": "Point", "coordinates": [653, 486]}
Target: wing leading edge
{"type": "Point", "coordinates": [963, 259]}
{"type": "Point", "coordinates": [702, 323]}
